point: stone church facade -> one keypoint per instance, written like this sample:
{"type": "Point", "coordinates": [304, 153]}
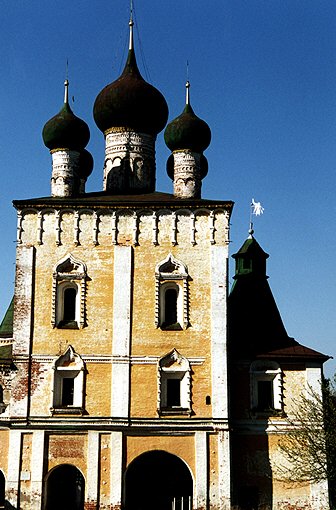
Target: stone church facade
{"type": "Point", "coordinates": [128, 377]}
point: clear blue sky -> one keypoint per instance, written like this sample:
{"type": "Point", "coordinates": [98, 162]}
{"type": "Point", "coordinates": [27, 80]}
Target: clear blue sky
{"type": "Point", "coordinates": [263, 75]}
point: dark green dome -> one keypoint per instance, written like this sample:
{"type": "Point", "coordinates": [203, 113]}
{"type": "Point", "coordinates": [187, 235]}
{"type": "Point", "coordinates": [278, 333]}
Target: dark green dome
{"type": "Point", "coordinates": [130, 102]}
{"type": "Point", "coordinates": [65, 130]}
{"type": "Point", "coordinates": [187, 132]}
{"type": "Point", "coordinates": [85, 164]}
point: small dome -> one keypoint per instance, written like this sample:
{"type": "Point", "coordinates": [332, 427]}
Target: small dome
{"type": "Point", "coordinates": [130, 102]}
{"type": "Point", "coordinates": [65, 130]}
{"type": "Point", "coordinates": [85, 164]}
{"type": "Point", "coordinates": [187, 131]}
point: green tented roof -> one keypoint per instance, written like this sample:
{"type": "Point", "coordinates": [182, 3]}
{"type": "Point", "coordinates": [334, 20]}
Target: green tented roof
{"type": "Point", "coordinates": [6, 327]}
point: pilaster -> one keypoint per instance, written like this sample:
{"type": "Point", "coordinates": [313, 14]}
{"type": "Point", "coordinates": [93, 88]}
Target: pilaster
{"type": "Point", "coordinates": [122, 295]}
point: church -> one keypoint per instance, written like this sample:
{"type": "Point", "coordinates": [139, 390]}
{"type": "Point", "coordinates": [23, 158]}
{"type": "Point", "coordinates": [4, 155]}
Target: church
{"type": "Point", "coordinates": [131, 376]}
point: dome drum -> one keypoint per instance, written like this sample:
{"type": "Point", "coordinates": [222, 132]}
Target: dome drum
{"type": "Point", "coordinates": [187, 169]}
{"type": "Point", "coordinates": [70, 172]}
{"type": "Point", "coordinates": [129, 162]}
{"type": "Point", "coordinates": [64, 164]}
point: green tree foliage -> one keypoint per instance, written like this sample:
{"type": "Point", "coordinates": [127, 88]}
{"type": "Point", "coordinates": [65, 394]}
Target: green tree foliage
{"type": "Point", "coordinates": [309, 444]}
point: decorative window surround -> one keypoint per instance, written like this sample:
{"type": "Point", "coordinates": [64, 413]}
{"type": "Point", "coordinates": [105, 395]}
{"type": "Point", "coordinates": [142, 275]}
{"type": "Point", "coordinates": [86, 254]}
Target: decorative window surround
{"type": "Point", "coordinates": [174, 385]}
{"type": "Point", "coordinates": [69, 273]}
{"type": "Point", "coordinates": [266, 373]}
{"type": "Point", "coordinates": [171, 274]}
{"type": "Point", "coordinates": [68, 367]}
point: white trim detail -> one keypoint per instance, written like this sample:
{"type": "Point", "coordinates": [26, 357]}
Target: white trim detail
{"type": "Point", "coordinates": [69, 272]}
{"type": "Point", "coordinates": [24, 277]}
{"type": "Point", "coordinates": [121, 330]}
{"type": "Point", "coordinates": [13, 474]}
{"type": "Point", "coordinates": [171, 273]}
{"type": "Point", "coordinates": [38, 442]}
{"type": "Point", "coordinates": [266, 371]}
{"type": "Point", "coordinates": [68, 366]}
{"type": "Point", "coordinates": [176, 367]}
{"type": "Point", "coordinates": [218, 286]}
{"type": "Point", "coordinates": [92, 479]}
{"type": "Point", "coordinates": [116, 469]}
{"type": "Point", "coordinates": [201, 455]}
{"type": "Point", "coordinates": [224, 472]}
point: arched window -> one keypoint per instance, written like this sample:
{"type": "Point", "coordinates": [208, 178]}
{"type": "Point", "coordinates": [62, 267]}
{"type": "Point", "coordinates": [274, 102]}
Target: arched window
{"type": "Point", "coordinates": [170, 306]}
{"type": "Point", "coordinates": [266, 386]}
{"type": "Point", "coordinates": [171, 294]}
{"type": "Point", "coordinates": [69, 292]}
{"type": "Point", "coordinates": [68, 394]}
{"type": "Point", "coordinates": [69, 304]}
{"type": "Point", "coordinates": [174, 384]}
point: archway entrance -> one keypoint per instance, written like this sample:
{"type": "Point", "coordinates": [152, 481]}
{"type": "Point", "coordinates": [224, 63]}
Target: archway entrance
{"type": "Point", "coordinates": [65, 489]}
{"type": "Point", "coordinates": [157, 480]}
{"type": "Point", "coordinates": [2, 490]}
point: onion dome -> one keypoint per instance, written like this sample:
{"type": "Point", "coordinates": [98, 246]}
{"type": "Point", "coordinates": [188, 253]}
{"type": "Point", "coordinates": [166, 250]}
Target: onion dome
{"type": "Point", "coordinates": [65, 130]}
{"type": "Point", "coordinates": [187, 131]}
{"type": "Point", "coordinates": [85, 166]}
{"type": "Point", "coordinates": [130, 102]}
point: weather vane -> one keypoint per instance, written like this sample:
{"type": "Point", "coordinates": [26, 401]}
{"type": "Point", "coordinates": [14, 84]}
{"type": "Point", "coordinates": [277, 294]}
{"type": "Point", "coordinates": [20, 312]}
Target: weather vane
{"type": "Point", "coordinates": [256, 210]}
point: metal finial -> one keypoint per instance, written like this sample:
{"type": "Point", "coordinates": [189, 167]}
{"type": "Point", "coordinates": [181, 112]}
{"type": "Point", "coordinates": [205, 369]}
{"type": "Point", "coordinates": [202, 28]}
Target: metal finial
{"type": "Point", "coordinates": [131, 24]}
{"type": "Point", "coordinates": [66, 91]}
{"type": "Point", "coordinates": [66, 82]}
{"type": "Point", "coordinates": [187, 92]}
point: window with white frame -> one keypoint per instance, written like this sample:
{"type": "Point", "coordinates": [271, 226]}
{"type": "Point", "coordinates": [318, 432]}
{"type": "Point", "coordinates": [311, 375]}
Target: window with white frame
{"type": "Point", "coordinates": [266, 386]}
{"type": "Point", "coordinates": [69, 293]}
{"type": "Point", "coordinates": [68, 384]}
{"type": "Point", "coordinates": [171, 294]}
{"type": "Point", "coordinates": [174, 384]}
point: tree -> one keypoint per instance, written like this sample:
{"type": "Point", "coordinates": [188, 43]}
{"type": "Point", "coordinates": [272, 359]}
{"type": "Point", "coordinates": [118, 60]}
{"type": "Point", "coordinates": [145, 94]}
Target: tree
{"type": "Point", "coordinates": [308, 445]}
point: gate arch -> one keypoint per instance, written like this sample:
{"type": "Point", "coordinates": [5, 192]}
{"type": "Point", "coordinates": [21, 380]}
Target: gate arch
{"type": "Point", "coordinates": [2, 489]}
{"type": "Point", "coordinates": [64, 488]}
{"type": "Point", "coordinates": [158, 480]}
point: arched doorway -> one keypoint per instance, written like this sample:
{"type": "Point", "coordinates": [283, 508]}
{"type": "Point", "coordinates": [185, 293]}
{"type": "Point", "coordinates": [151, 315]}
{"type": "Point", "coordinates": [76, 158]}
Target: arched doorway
{"type": "Point", "coordinates": [157, 480]}
{"type": "Point", "coordinates": [2, 489]}
{"type": "Point", "coordinates": [65, 488]}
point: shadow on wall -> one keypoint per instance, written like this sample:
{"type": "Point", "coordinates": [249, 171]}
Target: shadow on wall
{"type": "Point", "coordinates": [252, 475]}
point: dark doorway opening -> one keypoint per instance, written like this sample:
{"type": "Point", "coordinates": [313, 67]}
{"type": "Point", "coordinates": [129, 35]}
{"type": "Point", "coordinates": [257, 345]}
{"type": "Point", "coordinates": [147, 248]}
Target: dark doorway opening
{"type": "Point", "coordinates": [65, 489]}
{"type": "Point", "coordinates": [2, 490]}
{"type": "Point", "coordinates": [158, 480]}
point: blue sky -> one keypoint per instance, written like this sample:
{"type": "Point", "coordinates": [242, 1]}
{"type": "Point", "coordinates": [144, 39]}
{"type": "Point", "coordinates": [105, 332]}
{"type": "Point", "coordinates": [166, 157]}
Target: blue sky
{"type": "Point", "coordinates": [263, 75]}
